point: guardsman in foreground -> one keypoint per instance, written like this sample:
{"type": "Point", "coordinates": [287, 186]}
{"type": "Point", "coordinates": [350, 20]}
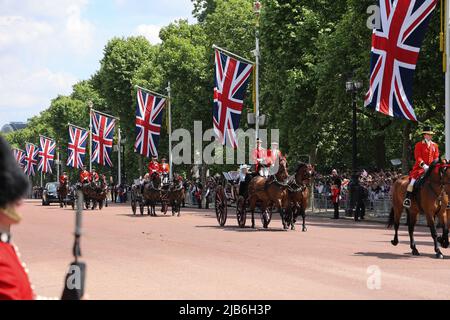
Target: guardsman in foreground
{"type": "Point", "coordinates": [426, 152]}
{"type": "Point", "coordinates": [14, 281]}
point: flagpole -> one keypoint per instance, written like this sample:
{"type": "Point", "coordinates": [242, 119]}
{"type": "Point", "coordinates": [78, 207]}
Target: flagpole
{"type": "Point", "coordinates": [91, 105]}
{"type": "Point", "coordinates": [447, 80]}
{"type": "Point", "coordinates": [120, 158]}
{"type": "Point", "coordinates": [257, 8]}
{"type": "Point", "coordinates": [169, 109]}
{"type": "Point", "coordinates": [57, 164]}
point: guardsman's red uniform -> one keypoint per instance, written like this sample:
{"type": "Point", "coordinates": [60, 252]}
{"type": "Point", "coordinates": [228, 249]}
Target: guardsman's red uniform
{"type": "Point", "coordinates": [85, 175]}
{"type": "Point", "coordinates": [165, 168]}
{"type": "Point", "coordinates": [272, 157]}
{"type": "Point", "coordinates": [259, 155]}
{"type": "Point", "coordinates": [14, 281]}
{"type": "Point", "coordinates": [95, 177]}
{"type": "Point", "coordinates": [154, 167]}
{"type": "Point", "coordinates": [63, 179]}
{"type": "Point", "coordinates": [425, 154]}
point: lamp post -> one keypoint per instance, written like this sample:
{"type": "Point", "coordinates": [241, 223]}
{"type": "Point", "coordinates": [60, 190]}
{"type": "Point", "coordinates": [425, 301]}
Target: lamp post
{"type": "Point", "coordinates": [353, 87]}
{"type": "Point", "coordinates": [257, 10]}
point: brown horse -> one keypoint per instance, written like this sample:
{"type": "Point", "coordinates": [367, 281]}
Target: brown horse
{"type": "Point", "coordinates": [95, 193]}
{"type": "Point", "coordinates": [176, 197]}
{"type": "Point", "coordinates": [299, 194]}
{"type": "Point", "coordinates": [431, 199]}
{"type": "Point", "coordinates": [152, 194]}
{"type": "Point", "coordinates": [63, 191]}
{"type": "Point", "coordinates": [270, 193]}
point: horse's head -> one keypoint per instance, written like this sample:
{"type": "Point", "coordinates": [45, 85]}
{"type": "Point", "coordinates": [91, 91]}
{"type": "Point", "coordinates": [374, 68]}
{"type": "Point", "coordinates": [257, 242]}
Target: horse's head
{"type": "Point", "coordinates": [444, 173]}
{"type": "Point", "coordinates": [304, 173]}
{"type": "Point", "coordinates": [282, 169]}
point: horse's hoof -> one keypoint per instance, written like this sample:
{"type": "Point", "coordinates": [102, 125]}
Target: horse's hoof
{"type": "Point", "coordinates": [305, 229]}
{"type": "Point", "coordinates": [439, 256]}
{"type": "Point", "coordinates": [415, 253]}
{"type": "Point", "coordinates": [293, 228]}
{"type": "Point", "coordinates": [394, 243]}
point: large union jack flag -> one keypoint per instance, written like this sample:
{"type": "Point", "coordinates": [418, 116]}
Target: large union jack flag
{"type": "Point", "coordinates": [231, 81]}
{"type": "Point", "coordinates": [102, 138]}
{"type": "Point", "coordinates": [149, 116]}
{"type": "Point", "coordinates": [31, 161]}
{"type": "Point", "coordinates": [46, 154]}
{"type": "Point", "coordinates": [395, 51]}
{"type": "Point", "coordinates": [19, 155]}
{"type": "Point", "coordinates": [77, 147]}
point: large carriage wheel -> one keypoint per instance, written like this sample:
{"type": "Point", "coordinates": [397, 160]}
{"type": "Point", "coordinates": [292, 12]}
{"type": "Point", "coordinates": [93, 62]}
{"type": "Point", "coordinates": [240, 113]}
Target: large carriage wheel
{"type": "Point", "coordinates": [241, 212]}
{"type": "Point", "coordinates": [266, 218]}
{"type": "Point", "coordinates": [221, 206]}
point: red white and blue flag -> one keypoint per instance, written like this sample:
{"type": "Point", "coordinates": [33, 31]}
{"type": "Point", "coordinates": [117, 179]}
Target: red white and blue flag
{"type": "Point", "coordinates": [77, 147]}
{"type": "Point", "coordinates": [231, 82]}
{"type": "Point", "coordinates": [19, 155]}
{"type": "Point", "coordinates": [149, 117]}
{"type": "Point", "coordinates": [102, 138]}
{"type": "Point", "coordinates": [31, 160]}
{"type": "Point", "coordinates": [395, 51]}
{"type": "Point", "coordinates": [46, 154]}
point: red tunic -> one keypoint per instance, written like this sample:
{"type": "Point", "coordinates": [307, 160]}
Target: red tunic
{"type": "Point", "coordinates": [95, 177]}
{"type": "Point", "coordinates": [272, 157]}
{"type": "Point", "coordinates": [85, 175]}
{"type": "Point", "coordinates": [14, 281]}
{"type": "Point", "coordinates": [424, 154]}
{"type": "Point", "coordinates": [63, 179]}
{"type": "Point", "coordinates": [259, 154]}
{"type": "Point", "coordinates": [154, 167]}
{"type": "Point", "coordinates": [165, 168]}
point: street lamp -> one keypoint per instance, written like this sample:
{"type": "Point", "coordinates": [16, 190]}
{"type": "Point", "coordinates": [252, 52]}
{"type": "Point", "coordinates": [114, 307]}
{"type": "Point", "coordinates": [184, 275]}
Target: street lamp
{"type": "Point", "coordinates": [353, 87]}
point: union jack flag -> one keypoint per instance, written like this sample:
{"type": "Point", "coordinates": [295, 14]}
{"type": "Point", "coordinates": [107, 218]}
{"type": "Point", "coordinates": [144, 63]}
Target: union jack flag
{"type": "Point", "coordinates": [231, 81]}
{"type": "Point", "coordinates": [149, 116]}
{"type": "Point", "coordinates": [46, 154]}
{"type": "Point", "coordinates": [395, 51]}
{"type": "Point", "coordinates": [102, 138]}
{"type": "Point", "coordinates": [19, 155]}
{"type": "Point", "coordinates": [77, 147]}
{"type": "Point", "coordinates": [32, 152]}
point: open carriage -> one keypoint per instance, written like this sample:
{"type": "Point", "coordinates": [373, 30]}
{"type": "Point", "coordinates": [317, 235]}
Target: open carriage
{"type": "Point", "coordinates": [227, 194]}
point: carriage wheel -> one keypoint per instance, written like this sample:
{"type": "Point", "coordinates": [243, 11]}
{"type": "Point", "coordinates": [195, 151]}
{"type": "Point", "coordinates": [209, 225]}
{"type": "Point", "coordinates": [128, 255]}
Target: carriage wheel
{"type": "Point", "coordinates": [221, 206]}
{"type": "Point", "coordinates": [241, 212]}
{"type": "Point", "coordinates": [266, 218]}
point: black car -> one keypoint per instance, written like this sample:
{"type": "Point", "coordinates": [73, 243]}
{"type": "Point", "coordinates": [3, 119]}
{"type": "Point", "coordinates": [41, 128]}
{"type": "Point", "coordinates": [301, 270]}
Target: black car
{"type": "Point", "coordinates": [50, 194]}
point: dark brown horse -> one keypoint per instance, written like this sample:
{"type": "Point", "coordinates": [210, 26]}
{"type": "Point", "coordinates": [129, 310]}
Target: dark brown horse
{"type": "Point", "coordinates": [431, 199]}
{"type": "Point", "coordinates": [95, 193]}
{"type": "Point", "coordinates": [152, 194]}
{"type": "Point", "coordinates": [299, 194]}
{"type": "Point", "coordinates": [176, 197]}
{"type": "Point", "coordinates": [269, 194]}
{"type": "Point", "coordinates": [63, 191]}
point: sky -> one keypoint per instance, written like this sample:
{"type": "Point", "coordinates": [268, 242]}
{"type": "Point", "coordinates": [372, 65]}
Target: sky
{"type": "Point", "coordinates": [46, 46]}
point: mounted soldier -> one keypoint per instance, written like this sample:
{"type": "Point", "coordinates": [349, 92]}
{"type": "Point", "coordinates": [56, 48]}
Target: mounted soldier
{"type": "Point", "coordinates": [85, 176]}
{"type": "Point", "coordinates": [95, 178]}
{"type": "Point", "coordinates": [154, 167]}
{"type": "Point", "coordinates": [259, 157]}
{"type": "Point", "coordinates": [274, 156]}
{"type": "Point", "coordinates": [63, 179]}
{"type": "Point", "coordinates": [165, 171]}
{"type": "Point", "coordinates": [426, 152]}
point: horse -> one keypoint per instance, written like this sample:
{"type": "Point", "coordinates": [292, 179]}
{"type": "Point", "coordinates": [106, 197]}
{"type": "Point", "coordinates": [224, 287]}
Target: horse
{"type": "Point", "coordinates": [430, 199]}
{"type": "Point", "coordinates": [299, 194]}
{"type": "Point", "coordinates": [152, 193]}
{"type": "Point", "coordinates": [95, 193]}
{"type": "Point", "coordinates": [270, 193]}
{"type": "Point", "coordinates": [176, 197]}
{"type": "Point", "coordinates": [63, 191]}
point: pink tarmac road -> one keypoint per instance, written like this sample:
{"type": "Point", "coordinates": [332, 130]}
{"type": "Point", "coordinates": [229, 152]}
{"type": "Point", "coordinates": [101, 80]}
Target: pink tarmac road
{"type": "Point", "coordinates": [192, 258]}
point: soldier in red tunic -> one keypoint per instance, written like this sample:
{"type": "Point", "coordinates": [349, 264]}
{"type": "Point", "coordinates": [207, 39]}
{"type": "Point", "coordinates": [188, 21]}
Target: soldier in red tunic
{"type": "Point", "coordinates": [94, 176]}
{"type": "Point", "coordinates": [63, 179]}
{"type": "Point", "coordinates": [259, 157]}
{"type": "Point", "coordinates": [14, 281]}
{"type": "Point", "coordinates": [85, 176]}
{"type": "Point", "coordinates": [274, 155]}
{"type": "Point", "coordinates": [154, 167]}
{"type": "Point", "coordinates": [426, 152]}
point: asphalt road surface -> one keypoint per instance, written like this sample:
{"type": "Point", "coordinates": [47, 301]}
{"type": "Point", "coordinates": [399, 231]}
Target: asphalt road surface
{"type": "Point", "coordinates": [190, 257]}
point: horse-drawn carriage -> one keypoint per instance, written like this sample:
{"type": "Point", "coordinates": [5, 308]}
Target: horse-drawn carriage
{"type": "Point", "coordinates": [150, 193]}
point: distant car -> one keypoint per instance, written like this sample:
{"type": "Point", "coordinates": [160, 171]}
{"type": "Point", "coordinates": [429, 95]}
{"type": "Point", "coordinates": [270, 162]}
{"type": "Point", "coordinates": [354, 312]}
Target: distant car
{"type": "Point", "coordinates": [50, 194]}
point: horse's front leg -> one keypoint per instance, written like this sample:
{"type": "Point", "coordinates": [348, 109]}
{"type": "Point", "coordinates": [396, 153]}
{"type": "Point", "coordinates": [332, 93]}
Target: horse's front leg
{"type": "Point", "coordinates": [303, 212]}
{"type": "Point", "coordinates": [411, 228]}
{"type": "Point", "coordinates": [437, 246]}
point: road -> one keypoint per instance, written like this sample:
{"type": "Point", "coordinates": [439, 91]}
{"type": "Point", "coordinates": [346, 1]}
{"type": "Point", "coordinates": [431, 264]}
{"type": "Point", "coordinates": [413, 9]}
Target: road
{"type": "Point", "coordinates": [190, 257]}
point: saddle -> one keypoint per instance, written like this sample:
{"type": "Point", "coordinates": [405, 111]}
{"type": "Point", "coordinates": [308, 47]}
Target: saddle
{"type": "Point", "coordinates": [421, 181]}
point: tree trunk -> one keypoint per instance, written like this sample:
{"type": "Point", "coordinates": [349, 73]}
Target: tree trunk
{"type": "Point", "coordinates": [406, 148]}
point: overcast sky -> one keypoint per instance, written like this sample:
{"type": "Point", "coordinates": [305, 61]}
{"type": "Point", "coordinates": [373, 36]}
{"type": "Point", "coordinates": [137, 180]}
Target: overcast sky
{"type": "Point", "coordinates": [46, 46]}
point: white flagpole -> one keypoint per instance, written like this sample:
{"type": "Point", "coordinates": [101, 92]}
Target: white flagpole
{"type": "Point", "coordinates": [120, 159]}
{"type": "Point", "coordinates": [57, 164]}
{"type": "Point", "coordinates": [447, 80]}
{"type": "Point", "coordinates": [90, 135]}
{"type": "Point", "coordinates": [169, 109]}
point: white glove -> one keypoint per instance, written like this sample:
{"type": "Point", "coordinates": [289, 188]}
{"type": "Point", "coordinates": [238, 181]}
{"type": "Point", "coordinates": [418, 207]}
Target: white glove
{"type": "Point", "coordinates": [425, 167]}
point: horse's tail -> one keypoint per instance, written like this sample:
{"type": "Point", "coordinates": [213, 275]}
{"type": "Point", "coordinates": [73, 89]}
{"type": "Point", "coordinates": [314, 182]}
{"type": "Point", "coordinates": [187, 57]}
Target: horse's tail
{"type": "Point", "coordinates": [391, 219]}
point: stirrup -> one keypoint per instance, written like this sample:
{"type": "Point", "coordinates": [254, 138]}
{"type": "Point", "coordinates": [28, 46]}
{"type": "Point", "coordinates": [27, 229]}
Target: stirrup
{"type": "Point", "coordinates": [407, 203]}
